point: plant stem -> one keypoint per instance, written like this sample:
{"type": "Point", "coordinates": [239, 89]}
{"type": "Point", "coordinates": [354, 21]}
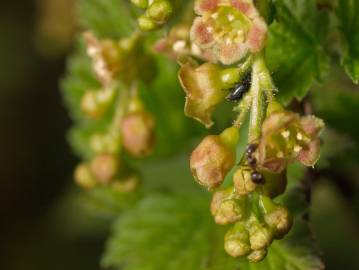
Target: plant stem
{"type": "Point", "coordinates": [259, 103]}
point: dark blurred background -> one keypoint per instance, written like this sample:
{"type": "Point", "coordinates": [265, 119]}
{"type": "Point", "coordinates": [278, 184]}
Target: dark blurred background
{"type": "Point", "coordinates": [37, 225]}
{"type": "Point", "coordinates": [36, 162]}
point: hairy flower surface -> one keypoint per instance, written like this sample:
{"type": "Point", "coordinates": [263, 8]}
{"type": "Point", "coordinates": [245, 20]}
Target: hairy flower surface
{"type": "Point", "coordinates": [230, 28]}
{"type": "Point", "coordinates": [287, 137]}
{"type": "Point", "coordinates": [203, 89]}
{"type": "Point", "coordinates": [212, 160]}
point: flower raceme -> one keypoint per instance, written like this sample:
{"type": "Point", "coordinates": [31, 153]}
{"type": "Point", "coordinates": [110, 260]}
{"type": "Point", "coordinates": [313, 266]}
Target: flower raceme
{"type": "Point", "coordinates": [230, 28]}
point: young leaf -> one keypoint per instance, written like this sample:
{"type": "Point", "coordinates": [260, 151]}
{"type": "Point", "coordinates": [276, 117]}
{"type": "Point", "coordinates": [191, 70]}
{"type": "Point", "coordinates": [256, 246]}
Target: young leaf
{"type": "Point", "coordinates": [294, 53]}
{"type": "Point", "coordinates": [348, 15]}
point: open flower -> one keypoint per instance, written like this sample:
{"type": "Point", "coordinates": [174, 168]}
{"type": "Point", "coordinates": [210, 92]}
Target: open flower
{"type": "Point", "coordinates": [287, 137]}
{"type": "Point", "coordinates": [230, 28]}
{"type": "Point", "coordinates": [177, 45]}
{"type": "Point", "coordinates": [203, 88]}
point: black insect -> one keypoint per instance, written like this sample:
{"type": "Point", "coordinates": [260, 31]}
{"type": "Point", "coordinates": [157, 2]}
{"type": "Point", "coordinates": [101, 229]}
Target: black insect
{"type": "Point", "coordinates": [252, 161]}
{"type": "Point", "coordinates": [258, 178]}
{"type": "Point", "coordinates": [240, 88]}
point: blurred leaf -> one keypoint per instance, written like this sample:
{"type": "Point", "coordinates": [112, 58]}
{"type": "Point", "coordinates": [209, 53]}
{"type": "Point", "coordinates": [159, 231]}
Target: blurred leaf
{"type": "Point", "coordinates": [336, 226]}
{"type": "Point", "coordinates": [294, 53]}
{"type": "Point", "coordinates": [168, 232]}
{"type": "Point", "coordinates": [348, 15]}
{"type": "Point", "coordinates": [106, 18]}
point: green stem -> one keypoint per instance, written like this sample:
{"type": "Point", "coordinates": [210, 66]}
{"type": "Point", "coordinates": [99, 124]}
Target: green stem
{"type": "Point", "coordinates": [260, 79]}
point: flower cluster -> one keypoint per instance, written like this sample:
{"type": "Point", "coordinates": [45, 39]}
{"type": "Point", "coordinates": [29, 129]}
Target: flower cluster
{"type": "Point", "coordinates": [233, 32]}
{"type": "Point", "coordinates": [131, 129]}
{"type": "Point", "coordinates": [157, 13]}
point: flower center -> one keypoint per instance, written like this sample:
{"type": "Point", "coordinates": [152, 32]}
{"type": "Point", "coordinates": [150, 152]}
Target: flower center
{"type": "Point", "coordinates": [228, 24]}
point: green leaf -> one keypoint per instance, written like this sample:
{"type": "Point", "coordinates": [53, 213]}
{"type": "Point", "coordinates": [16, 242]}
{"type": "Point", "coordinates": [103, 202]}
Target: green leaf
{"type": "Point", "coordinates": [106, 18]}
{"type": "Point", "coordinates": [176, 232]}
{"type": "Point", "coordinates": [294, 53]}
{"type": "Point", "coordinates": [348, 15]}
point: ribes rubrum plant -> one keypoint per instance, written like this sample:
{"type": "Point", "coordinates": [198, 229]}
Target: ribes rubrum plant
{"type": "Point", "coordinates": [241, 69]}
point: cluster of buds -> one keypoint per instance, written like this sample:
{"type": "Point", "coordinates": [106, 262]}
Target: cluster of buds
{"type": "Point", "coordinates": [106, 169]}
{"type": "Point", "coordinates": [253, 233]}
{"type": "Point", "coordinates": [157, 13]}
{"type": "Point", "coordinates": [252, 188]}
{"type": "Point", "coordinates": [116, 65]}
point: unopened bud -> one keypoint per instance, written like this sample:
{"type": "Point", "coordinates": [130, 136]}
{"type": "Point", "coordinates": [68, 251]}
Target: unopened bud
{"type": "Point", "coordinates": [137, 131]}
{"type": "Point", "coordinates": [211, 161]}
{"type": "Point", "coordinates": [242, 180]}
{"type": "Point", "coordinates": [159, 11]}
{"type": "Point", "coordinates": [260, 236]}
{"type": "Point", "coordinates": [146, 24]}
{"type": "Point", "coordinates": [236, 241]}
{"type": "Point", "coordinates": [105, 167]}
{"type": "Point", "coordinates": [280, 220]}
{"type": "Point", "coordinates": [227, 206]}
{"type": "Point", "coordinates": [273, 107]}
{"type": "Point", "coordinates": [84, 177]}
{"type": "Point", "coordinates": [257, 255]}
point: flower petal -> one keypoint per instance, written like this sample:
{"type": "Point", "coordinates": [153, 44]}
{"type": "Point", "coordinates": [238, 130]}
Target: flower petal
{"type": "Point", "coordinates": [200, 33]}
{"type": "Point", "coordinates": [203, 6]}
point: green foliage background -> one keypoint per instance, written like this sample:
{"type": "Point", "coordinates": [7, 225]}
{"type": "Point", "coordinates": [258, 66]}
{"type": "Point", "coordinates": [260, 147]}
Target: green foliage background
{"type": "Point", "coordinates": [167, 225]}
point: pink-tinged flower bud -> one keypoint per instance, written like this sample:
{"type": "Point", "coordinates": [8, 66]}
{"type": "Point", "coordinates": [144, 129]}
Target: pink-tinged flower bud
{"type": "Point", "coordinates": [230, 28]}
{"type": "Point", "coordinates": [84, 177]}
{"type": "Point", "coordinates": [236, 241]}
{"type": "Point", "coordinates": [287, 137]}
{"type": "Point", "coordinates": [105, 167]}
{"type": "Point", "coordinates": [137, 132]}
{"type": "Point", "coordinates": [213, 158]}
{"type": "Point", "coordinates": [227, 206]}
{"type": "Point", "coordinates": [203, 87]}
